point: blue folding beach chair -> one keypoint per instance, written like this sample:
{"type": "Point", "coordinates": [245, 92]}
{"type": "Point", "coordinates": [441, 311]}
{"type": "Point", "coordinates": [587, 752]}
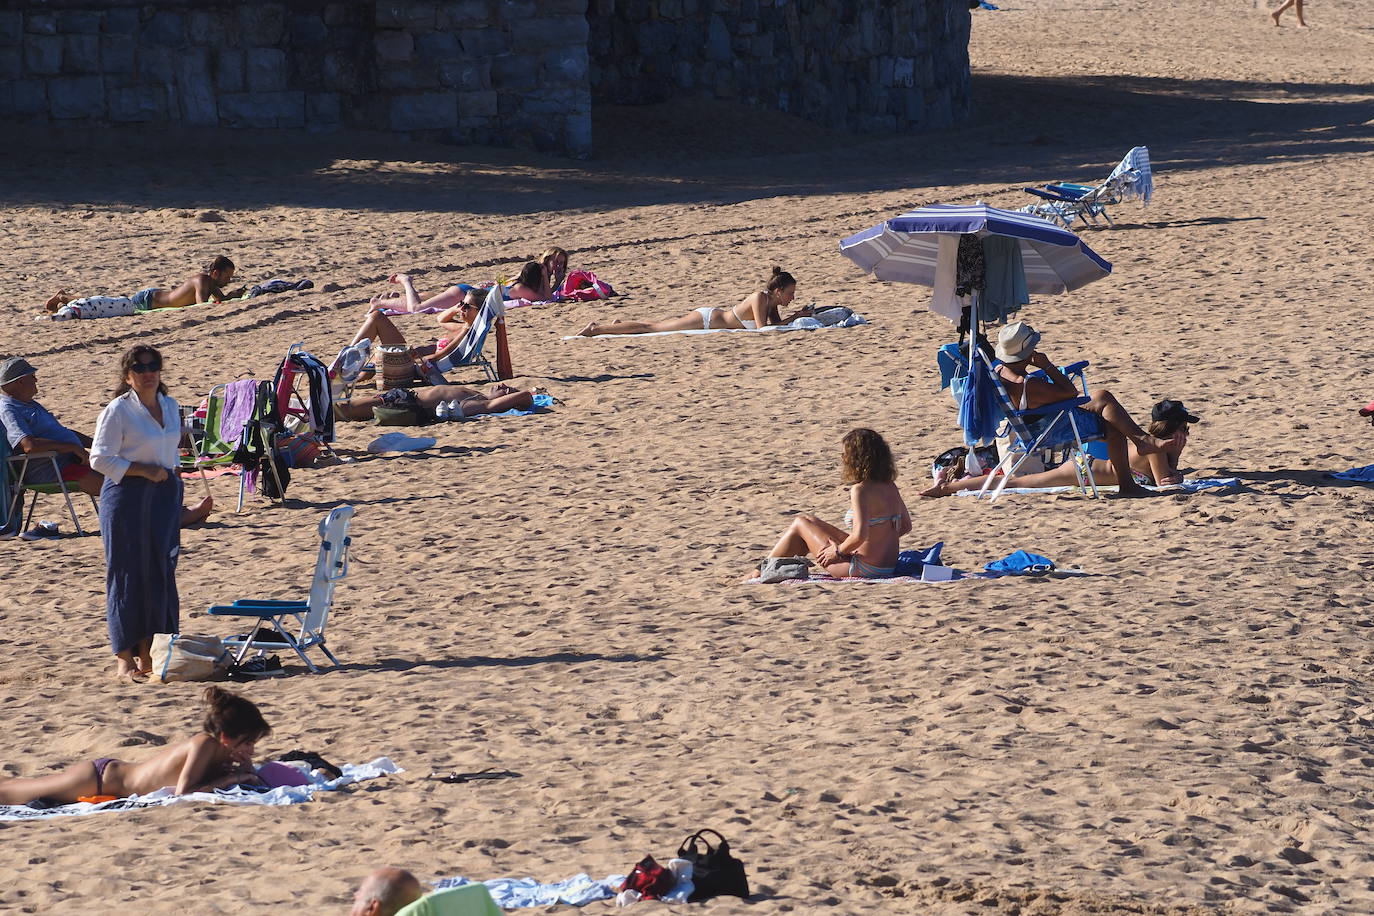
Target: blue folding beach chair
{"type": "Point", "coordinates": [469, 351]}
{"type": "Point", "coordinates": [298, 625]}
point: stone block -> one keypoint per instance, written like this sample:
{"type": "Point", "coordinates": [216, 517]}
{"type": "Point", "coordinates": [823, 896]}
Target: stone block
{"type": "Point", "coordinates": [684, 74]}
{"type": "Point", "coordinates": [116, 55]}
{"type": "Point", "coordinates": [394, 47]}
{"type": "Point", "coordinates": [718, 41]}
{"type": "Point", "coordinates": [415, 15]}
{"type": "Point", "coordinates": [308, 30]}
{"type": "Point", "coordinates": [165, 28]}
{"type": "Point", "coordinates": [81, 54]}
{"type": "Point", "coordinates": [262, 109]}
{"type": "Point", "coordinates": [261, 25]}
{"type": "Point", "coordinates": [267, 69]}
{"type": "Point", "coordinates": [342, 72]}
{"type": "Point", "coordinates": [437, 45]}
{"type": "Point", "coordinates": [138, 104]}
{"type": "Point", "coordinates": [195, 91]}
{"type": "Point", "coordinates": [423, 75]}
{"type": "Point", "coordinates": [77, 97]}
{"type": "Point", "coordinates": [904, 72]}
{"type": "Point", "coordinates": [78, 22]}
{"type": "Point", "coordinates": [512, 73]}
{"type": "Point", "coordinates": [11, 63]}
{"type": "Point", "coordinates": [41, 24]}
{"type": "Point", "coordinates": [516, 11]}
{"type": "Point", "coordinates": [204, 27]}
{"type": "Point", "coordinates": [480, 104]}
{"type": "Point", "coordinates": [483, 42]}
{"type": "Point", "coordinates": [120, 22]}
{"type": "Point", "coordinates": [465, 74]}
{"type": "Point", "coordinates": [155, 64]}
{"type": "Point", "coordinates": [323, 109]}
{"type": "Point", "coordinates": [464, 14]}
{"type": "Point", "coordinates": [29, 98]}
{"type": "Point", "coordinates": [578, 134]}
{"type": "Point", "coordinates": [229, 71]}
{"type": "Point", "coordinates": [565, 66]}
{"type": "Point", "coordinates": [11, 27]}
{"type": "Point", "coordinates": [43, 54]}
{"type": "Point", "coordinates": [424, 111]}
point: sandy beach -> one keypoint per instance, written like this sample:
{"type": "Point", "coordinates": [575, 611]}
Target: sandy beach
{"type": "Point", "coordinates": [1186, 729]}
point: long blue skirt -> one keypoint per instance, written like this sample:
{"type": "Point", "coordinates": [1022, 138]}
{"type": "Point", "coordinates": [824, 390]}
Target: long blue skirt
{"type": "Point", "coordinates": [140, 523]}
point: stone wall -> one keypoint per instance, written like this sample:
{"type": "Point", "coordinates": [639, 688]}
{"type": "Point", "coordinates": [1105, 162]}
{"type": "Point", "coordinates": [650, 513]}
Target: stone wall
{"type": "Point", "coordinates": [453, 70]}
{"type": "Point", "coordinates": [501, 72]}
{"type": "Point", "coordinates": [865, 65]}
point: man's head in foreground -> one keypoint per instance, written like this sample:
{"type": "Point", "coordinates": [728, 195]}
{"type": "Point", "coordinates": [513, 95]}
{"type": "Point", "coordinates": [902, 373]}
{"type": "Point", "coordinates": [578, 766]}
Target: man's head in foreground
{"type": "Point", "coordinates": [385, 891]}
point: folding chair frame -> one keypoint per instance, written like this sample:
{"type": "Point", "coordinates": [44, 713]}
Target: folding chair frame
{"type": "Point", "coordinates": [16, 497]}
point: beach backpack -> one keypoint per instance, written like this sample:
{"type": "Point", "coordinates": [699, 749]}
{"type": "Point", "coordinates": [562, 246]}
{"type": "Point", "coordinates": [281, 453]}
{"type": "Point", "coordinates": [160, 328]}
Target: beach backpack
{"type": "Point", "coordinates": [715, 873]}
{"type": "Point", "coordinates": [180, 657]}
{"type": "Point", "coordinates": [650, 879]}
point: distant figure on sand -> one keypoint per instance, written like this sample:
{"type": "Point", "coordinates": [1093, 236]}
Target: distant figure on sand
{"type": "Point", "coordinates": [31, 428]}
{"type": "Point", "coordinates": [1169, 420]}
{"type": "Point", "coordinates": [1297, 9]}
{"type": "Point", "coordinates": [1016, 348]}
{"type": "Point", "coordinates": [206, 286]}
{"type": "Point", "coordinates": [757, 310]}
{"type": "Point", "coordinates": [385, 892]}
{"type": "Point", "coordinates": [219, 757]}
{"type": "Point", "coordinates": [877, 516]}
{"type": "Point", "coordinates": [424, 401]}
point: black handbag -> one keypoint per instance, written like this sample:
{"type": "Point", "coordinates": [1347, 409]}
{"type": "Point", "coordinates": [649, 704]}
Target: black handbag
{"type": "Point", "coordinates": [715, 873]}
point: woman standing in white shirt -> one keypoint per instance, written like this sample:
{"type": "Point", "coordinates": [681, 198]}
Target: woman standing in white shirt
{"type": "Point", "coordinates": [135, 447]}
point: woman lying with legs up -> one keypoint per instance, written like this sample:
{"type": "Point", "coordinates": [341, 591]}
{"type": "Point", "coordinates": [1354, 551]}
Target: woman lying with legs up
{"type": "Point", "coordinates": [1169, 420]}
{"type": "Point", "coordinates": [219, 757]}
{"type": "Point", "coordinates": [877, 516]}
{"type": "Point", "coordinates": [407, 300]}
{"type": "Point", "coordinates": [757, 310]}
{"type": "Point", "coordinates": [425, 401]}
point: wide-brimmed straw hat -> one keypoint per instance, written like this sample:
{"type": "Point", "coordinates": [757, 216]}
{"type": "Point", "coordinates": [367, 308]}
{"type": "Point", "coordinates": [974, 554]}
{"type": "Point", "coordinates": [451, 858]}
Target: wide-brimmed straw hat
{"type": "Point", "coordinates": [1016, 341]}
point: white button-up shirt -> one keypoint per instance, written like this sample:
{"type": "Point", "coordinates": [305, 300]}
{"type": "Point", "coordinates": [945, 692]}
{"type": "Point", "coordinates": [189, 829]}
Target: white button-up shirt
{"type": "Point", "coordinates": [127, 433]}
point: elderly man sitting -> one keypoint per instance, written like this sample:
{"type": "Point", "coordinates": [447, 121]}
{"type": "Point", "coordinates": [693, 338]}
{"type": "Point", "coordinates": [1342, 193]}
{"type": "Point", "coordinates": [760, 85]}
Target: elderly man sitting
{"type": "Point", "coordinates": [31, 428]}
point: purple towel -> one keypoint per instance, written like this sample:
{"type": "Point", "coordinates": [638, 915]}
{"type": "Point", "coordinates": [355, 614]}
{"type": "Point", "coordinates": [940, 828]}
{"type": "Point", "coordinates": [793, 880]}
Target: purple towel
{"type": "Point", "coordinates": [239, 400]}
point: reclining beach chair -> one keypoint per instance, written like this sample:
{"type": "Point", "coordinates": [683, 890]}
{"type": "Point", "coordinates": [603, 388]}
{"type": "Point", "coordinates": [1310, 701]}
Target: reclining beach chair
{"type": "Point", "coordinates": [297, 625]}
{"type": "Point", "coordinates": [1053, 433]}
{"type": "Point", "coordinates": [1065, 202]}
{"type": "Point", "coordinates": [313, 410]}
{"type": "Point", "coordinates": [250, 444]}
{"type": "Point", "coordinates": [12, 486]}
{"type": "Point", "coordinates": [469, 351]}
{"type": "Point", "coordinates": [468, 900]}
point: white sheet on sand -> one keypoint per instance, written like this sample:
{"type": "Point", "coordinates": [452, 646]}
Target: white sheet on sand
{"type": "Point", "coordinates": [801, 324]}
{"type": "Point", "coordinates": [1188, 486]}
{"type": "Point", "coordinates": [400, 442]}
{"type": "Point", "coordinates": [283, 795]}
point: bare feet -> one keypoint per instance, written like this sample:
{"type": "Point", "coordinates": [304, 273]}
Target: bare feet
{"type": "Point", "coordinates": [57, 301]}
{"type": "Point", "coordinates": [1275, 16]}
{"type": "Point", "coordinates": [940, 488]}
{"type": "Point", "coordinates": [591, 330]}
{"type": "Point", "coordinates": [398, 278]}
{"type": "Point", "coordinates": [392, 300]}
{"type": "Point", "coordinates": [125, 672]}
{"type": "Point", "coordinates": [1134, 490]}
{"type": "Point", "coordinates": [200, 513]}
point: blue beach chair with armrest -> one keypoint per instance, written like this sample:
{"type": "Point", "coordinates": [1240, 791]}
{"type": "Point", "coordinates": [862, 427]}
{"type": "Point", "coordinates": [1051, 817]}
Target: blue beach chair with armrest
{"type": "Point", "coordinates": [469, 351]}
{"type": "Point", "coordinates": [307, 618]}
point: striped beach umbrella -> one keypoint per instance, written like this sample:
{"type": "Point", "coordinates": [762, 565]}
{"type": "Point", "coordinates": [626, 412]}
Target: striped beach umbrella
{"type": "Point", "coordinates": [907, 248]}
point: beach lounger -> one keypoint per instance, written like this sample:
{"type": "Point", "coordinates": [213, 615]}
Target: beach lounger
{"type": "Point", "coordinates": [297, 625]}
{"type": "Point", "coordinates": [468, 900]}
{"type": "Point", "coordinates": [1065, 202]}
{"type": "Point", "coordinates": [12, 468]}
{"type": "Point", "coordinates": [469, 352]}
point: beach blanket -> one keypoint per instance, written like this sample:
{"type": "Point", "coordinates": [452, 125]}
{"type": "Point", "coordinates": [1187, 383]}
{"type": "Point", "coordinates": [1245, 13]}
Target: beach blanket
{"type": "Point", "coordinates": [1363, 475]}
{"type": "Point", "coordinates": [542, 402]}
{"type": "Point", "coordinates": [959, 576]}
{"type": "Point", "coordinates": [277, 285]}
{"type": "Point", "coordinates": [1188, 486]}
{"type": "Point", "coordinates": [283, 795]}
{"type": "Point", "coordinates": [515, 893]}
{"type": "Point", "coordinates": [801, 324]}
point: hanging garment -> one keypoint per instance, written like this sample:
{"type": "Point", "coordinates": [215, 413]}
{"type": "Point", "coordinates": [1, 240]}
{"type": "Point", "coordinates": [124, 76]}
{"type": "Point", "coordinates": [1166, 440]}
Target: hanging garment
{"type": "Point", "coordinates": [1005, 276]}
{"type": "Point", "coordinates": [970, 272]}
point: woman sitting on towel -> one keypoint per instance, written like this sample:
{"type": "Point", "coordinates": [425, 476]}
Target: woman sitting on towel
{"type": "Point", "coordinates": [877, 516]}
{"type": "Point", "coordinates": [220, 757]}
{"type": "Point", "coordinates": [456, 322]}
{"type": "Point", "coordinates": [424, 402]}
{"type": "Point", "coordinates": [757, 310]}
{"type": "Point", "coordinates": [1167, 419]}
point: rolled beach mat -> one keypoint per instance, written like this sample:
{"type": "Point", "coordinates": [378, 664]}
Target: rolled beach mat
{"type": "Point", "coordinates": [398, 369]}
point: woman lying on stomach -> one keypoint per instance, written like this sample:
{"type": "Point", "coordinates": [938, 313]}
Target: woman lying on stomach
{"type": "Point", "coordinates": [756, 310]}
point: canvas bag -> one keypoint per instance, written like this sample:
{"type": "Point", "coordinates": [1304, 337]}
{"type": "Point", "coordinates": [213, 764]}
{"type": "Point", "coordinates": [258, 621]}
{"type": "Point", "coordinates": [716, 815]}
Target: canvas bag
{"type": "Point", "coordinates": [780, 569]}
{"type": "Point", "coordinates": [715, 872]}
{"type": "Point", "coordinates": [180, 657]}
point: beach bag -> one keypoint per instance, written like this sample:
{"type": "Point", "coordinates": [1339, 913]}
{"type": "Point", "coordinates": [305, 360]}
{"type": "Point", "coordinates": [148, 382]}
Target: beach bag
{"type": "Point", "coordinates": [181, 657]}
{"type": "Point", "coordinates": [715, 873]}
{"type": "Point", "coordinates": [300, 450]}
{"type": "Point", "coordinates": [268, 481]}
{"type": "Point", "coordinates": [650, 879]}
{"type": "Point", "coordinates": [780, 569]}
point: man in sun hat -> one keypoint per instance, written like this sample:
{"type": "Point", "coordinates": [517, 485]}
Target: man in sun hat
{"type": "Point", "coordinates": [31, 428]}
{"type": "Point", "coordinates": [1016, 350]}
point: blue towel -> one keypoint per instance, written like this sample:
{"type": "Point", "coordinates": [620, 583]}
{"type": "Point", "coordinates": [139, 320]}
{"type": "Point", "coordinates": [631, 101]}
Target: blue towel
{"type": "Point", "coordinates": [1364, 474]}
{"type": "Point", "coordinates": [1020, 563]}
{"type": "Point", "coordinates": [541, 402]}
{"type": "Point", "coordinates": [515, 893]}
{"type": "Point", "coordinates": [909, 562]}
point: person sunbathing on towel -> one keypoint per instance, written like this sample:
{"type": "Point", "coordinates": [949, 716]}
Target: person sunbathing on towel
{"type": "Point", "coordinates": [757, 310]}
{"type": "Point", "coordinates": [456, 321]}
{"type": "Point", "coordinates": [206, 286]}
{"type": "Point", "coordinates": [1016, 348]}
{"type": "Point", "coordinates": [424, 401]}
{"type": "Point", "coordinates": [408, 300]}
{"type": "Point", "coordinates": [219, 757]}
{"type": "Point", "coordinates": [1169, 420]}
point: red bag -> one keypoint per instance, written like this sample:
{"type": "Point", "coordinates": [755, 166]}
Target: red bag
{"type": "Point", "coordinates": [650, 879]}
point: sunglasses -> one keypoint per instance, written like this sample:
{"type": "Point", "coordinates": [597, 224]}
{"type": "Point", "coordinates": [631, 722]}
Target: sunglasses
{"type": "Point", "coordinates": [141, 368]}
